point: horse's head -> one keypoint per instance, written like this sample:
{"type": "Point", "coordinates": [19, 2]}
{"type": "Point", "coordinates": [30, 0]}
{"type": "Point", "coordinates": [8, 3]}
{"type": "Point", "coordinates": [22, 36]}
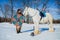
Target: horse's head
{"type": "Point", "coordinates": [25, 12]}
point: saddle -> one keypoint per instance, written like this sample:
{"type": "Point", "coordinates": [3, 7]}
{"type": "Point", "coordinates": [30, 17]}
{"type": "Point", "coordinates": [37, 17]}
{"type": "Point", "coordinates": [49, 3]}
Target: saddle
{"type": "Point", "coordinates": [42, 14]}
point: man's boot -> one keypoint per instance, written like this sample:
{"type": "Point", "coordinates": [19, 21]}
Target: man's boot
{"type": "Point", "coordinates": [18, 29]}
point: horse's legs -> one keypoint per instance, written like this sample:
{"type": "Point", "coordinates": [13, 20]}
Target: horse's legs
{"type": "Point", "coordinates": [36, 20]}
{"type": "Point", "coordinates": [36, 30]}
{"type": "Point", "coordinates": [51, 29]}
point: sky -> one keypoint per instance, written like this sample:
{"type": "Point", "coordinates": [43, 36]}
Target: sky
{"type": "Point", "coordinates": [52, 7]}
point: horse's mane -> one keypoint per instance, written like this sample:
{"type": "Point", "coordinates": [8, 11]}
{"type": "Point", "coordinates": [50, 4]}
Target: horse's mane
{"type": "Point", "coordinates": [33, 8]}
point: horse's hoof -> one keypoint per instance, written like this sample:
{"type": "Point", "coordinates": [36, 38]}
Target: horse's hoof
{"type": "Point", "coordinates": [32, 34]}
{"type": "Point", "coordinates": [36, 32]}
{"type": "Point", "coordinates": [51, 30]}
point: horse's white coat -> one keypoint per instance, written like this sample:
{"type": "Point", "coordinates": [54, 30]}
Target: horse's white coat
{"type": "Point", "coordinates": [36, 17]}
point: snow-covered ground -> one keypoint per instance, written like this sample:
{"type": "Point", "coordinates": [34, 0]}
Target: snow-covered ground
{"type": "Point", "coordinates": [8, 32]}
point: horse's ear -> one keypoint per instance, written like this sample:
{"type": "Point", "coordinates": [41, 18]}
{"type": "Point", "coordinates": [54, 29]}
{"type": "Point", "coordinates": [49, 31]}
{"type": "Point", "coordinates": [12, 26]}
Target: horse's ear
{"type": "Point", "coordinates": [26, 7]}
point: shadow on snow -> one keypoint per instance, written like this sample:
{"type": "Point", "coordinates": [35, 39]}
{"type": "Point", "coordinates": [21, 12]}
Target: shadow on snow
{"type": "Point", "coordinates": [41, 30]}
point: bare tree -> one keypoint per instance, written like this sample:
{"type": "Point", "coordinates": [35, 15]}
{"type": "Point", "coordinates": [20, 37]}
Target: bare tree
{"type": "Point", "coordinates": [1, 9]}
{"type": "Point", "coordinates": [11, 2]}
{"type": "Point", "coordinates": [7, 8]}
{"type": "Point", "coordinates": [58, 6]}
{"type": "Point", "coordinates": [45, 4]}
{"type": "Point", "coordinates": [36, 3]}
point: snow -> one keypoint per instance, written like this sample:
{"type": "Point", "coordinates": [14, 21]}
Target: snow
{"type": "Point", "coordinates": [8, 32]}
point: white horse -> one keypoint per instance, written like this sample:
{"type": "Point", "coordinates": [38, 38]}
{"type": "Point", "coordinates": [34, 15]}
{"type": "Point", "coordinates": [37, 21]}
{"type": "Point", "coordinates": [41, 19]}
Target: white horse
{"type": "Point", "coordinates": [36, 19]}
